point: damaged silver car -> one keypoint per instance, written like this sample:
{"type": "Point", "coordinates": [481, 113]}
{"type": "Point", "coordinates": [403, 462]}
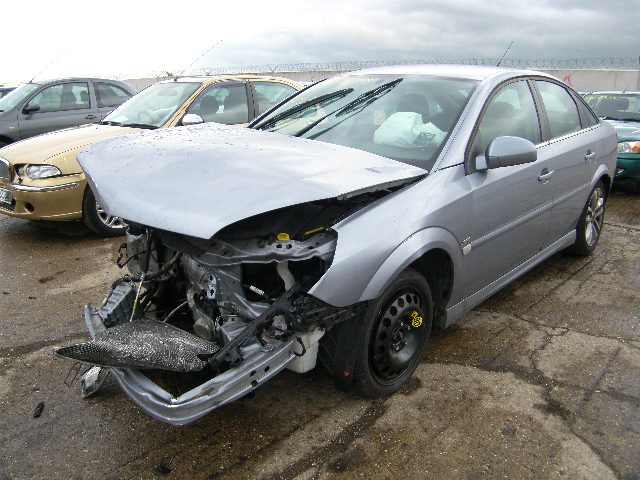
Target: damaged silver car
{"type": "Point", "coordinates": [339, 228]}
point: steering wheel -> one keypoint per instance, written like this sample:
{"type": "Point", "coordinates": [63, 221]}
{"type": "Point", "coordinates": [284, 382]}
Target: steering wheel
{"type": "Point", "coordinates": [147, 116]}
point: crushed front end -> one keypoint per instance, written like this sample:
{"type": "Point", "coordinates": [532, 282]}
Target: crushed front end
{"type": "Point", "coordinates": [196, 323]}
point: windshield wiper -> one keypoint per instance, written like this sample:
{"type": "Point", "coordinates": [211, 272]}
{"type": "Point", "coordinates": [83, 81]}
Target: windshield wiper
{"type": "Point", "coordinates": [298, 108]}
{"type": "Point", "coordinates": [362, 100]}
{"type": "Point", "coordinates": [109, 122]}
{"type": "Point", "coordinates": [369, 96]}
{"type": "Point", "coordinates": [138, 125]}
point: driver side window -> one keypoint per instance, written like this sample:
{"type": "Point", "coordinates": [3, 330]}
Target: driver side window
{"type": "Point", "coordinates": [65, 96]}
{"type": "Point", "coordinates": [511, 112]}
{"type": "Point", "coordinates": [223, 104]}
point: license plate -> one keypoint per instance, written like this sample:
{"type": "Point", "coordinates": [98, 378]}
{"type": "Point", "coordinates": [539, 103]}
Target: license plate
{"type": "Point", "coordinates": [6, 196]}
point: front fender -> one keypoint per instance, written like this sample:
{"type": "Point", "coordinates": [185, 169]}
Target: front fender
{"type": "Point", "coordinates": [408, 252]}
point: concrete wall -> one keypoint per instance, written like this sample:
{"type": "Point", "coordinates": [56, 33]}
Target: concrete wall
{"type": "Point", "coordinates": [581, 80]}
{"type": "Point", "coordinates": [595, 80]}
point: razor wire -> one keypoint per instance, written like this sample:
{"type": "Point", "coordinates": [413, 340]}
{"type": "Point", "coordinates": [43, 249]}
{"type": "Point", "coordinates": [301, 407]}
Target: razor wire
{"type": "Point", "coordinates": [630, 63]}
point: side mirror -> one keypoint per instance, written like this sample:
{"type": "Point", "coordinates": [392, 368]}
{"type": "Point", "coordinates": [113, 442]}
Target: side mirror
{"type": "Point", "coordinates": [192, 119]}
{"type": "Point", "coordinates": [31, 108]}
{"type": "Point", "coordinates": [506, 152]}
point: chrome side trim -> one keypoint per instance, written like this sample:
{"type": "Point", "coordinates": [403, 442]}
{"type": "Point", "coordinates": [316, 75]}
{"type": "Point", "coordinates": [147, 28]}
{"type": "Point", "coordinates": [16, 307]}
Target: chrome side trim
{"type": "Point", "coordinates": [26, 188]}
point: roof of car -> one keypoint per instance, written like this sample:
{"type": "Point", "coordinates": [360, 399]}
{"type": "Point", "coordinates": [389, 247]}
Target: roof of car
{"type": "Point", "coordinates": [473, 72]}
{"type": "Point", "coordinates": [74, 79]}
{"type": "Point", "coordinates": [218, 78]}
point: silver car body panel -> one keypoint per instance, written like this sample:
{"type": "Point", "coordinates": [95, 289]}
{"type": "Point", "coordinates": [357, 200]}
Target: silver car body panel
{"type": "Point", "coordinates": [492, 225]}
{"type": "Point", "coordinates": [196, 180]}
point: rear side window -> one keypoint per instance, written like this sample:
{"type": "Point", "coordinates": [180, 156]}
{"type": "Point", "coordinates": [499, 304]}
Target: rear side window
{"type": "Point", "coordinates": [269, 94]}
{"type": "Point", "coordinates": [109, 95]}
{"type": "Point", "coordinates": [510, 112]}
{"type": "Point", "coordinates": [562, 112]}
{"type": "Point", "coordinates": [65, 96]}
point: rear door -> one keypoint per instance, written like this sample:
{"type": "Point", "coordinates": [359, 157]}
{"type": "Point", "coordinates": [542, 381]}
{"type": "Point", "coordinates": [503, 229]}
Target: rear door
{"type": "Point", "coordinates": [61, 105]}
{"type": "Point", "coordinates": [575, 146]}
{"type": "Point", "coordinates": [108, 96]}
{"type": "Point", "coordinates": [511, 205]}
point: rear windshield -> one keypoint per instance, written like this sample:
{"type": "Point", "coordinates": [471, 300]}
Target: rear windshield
{"type": "Point", "coordinates": [615, 106]}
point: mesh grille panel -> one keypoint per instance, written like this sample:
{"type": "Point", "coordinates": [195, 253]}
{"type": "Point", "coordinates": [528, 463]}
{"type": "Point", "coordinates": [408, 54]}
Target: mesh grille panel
{"type": "Point", "coordinates": [143, 344]}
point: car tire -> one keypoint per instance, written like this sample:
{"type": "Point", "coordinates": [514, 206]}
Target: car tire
{"type": "Point", "coordinates": [97, 220]}
{"type": "Point", "coordinates": [590, 222]}
{"type": "Point", "coordinates": [393, 336]}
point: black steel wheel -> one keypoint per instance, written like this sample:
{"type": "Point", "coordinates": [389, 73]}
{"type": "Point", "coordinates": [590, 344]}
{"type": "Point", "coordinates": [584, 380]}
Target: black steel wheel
{"type": "Point", "coordinates": [395, 333]}
{"type": "Point", "coordinates": [591, 221]}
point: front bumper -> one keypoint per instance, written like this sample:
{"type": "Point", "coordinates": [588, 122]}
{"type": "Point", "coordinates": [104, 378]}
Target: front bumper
{"type": "Point", "coordinates": [224, 388]}
{"type": "Point", "coordinates": [48, 199]}
{"type": "Point", "coordinates": [628, 168]}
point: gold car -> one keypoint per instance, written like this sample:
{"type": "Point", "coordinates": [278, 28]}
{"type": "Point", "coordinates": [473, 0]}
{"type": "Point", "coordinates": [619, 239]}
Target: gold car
{"type": "Point", "coordinates": [40, 178]}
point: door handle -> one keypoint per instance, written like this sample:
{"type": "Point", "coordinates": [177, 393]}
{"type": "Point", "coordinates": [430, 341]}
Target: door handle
{"type": "Point", "coordinates": [589, 155]}
{"type": "Point", "coordinates": [545, 175]}
{"type": "Point", "coordinates": [91, 116]}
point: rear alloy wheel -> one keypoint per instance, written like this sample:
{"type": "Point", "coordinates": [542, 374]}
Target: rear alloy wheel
{"type": "Point", "coordinates": [99, 221]}
{"type": "Point", "coordinates": [591, 221]}
{"type": "Point", "coordinates": [394, 335]}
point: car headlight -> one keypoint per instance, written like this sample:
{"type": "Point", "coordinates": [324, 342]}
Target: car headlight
{"type": "Point", "coordinates": [35, 172]}
{"type": "Point", "coordinates": [629, 147]}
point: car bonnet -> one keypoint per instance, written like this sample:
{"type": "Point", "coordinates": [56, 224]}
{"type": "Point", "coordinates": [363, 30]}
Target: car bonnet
{"type": "Point", "coordinates": [626, 130]}
{"type": "Point", "coordinates": [197, 180]}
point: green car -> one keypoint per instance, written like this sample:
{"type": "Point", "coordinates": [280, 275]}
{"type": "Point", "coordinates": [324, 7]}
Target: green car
{"type": "Point", "coordinates": [622, 111]}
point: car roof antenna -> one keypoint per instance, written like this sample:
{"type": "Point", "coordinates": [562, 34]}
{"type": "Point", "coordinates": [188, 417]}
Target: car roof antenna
{"type": "Point", "coordinates": [205, 52]}
{"type": "Point", "coordinates": [504, 54]}
{"type": "Point", "coordinates": [48, 65]}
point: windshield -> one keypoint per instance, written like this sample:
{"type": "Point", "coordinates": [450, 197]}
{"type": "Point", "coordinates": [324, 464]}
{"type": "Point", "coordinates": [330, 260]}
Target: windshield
{"type": "Point", "coordinates": [406, 118]}
{"type": "Point", "coordinates": [16, 96]}
{"type": "Point", "coordinates": [615, 106]}
{"type": "Point", "coordinates": [153, 106]}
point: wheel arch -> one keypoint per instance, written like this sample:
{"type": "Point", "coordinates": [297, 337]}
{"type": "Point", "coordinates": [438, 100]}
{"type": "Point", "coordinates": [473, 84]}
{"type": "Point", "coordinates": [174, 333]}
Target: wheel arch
{"type": "Point", "coordinates": [435, 253]}
{"type": "Point", "coordinates": [605, 175]}
{"type": "Point", "coordinates": [608, 183]}
{"type": "Point", "coordinates": [436, 267]}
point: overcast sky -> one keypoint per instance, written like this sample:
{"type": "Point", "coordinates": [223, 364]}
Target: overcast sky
{"type": "Point", "coordinates": [139, 38]}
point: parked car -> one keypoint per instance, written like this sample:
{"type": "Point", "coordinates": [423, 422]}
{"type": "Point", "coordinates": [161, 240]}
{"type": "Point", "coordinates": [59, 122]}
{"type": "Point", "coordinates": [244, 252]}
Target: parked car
{"type": "Point", "coordinates": [5, 90]}
{"type": "Point", "coordinates": [342, 225]}
{"type": "Point", "coordinates": [622, 111]}
{"type": "Point", "coordinates": [40, 178]}
{"type": "Point", "coordinates": [36, 108]}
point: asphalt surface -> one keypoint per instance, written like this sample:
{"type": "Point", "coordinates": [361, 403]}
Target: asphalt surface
{"type": "Point", "coordinates": [540, 381]}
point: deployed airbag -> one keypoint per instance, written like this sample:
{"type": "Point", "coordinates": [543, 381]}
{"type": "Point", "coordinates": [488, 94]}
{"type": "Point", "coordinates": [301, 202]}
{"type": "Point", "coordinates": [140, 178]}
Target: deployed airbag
{"type": "Point", "coordinates": [406, 130]}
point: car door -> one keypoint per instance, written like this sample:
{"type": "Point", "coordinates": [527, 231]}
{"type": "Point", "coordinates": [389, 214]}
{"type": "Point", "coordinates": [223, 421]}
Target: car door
{"type": "Point", "coordinates": [54, 107]}
{"type": "Point", "coordinates": [108, 97]}
{"type": "Point", "coordinates": [226, 103]}
{"type": "Point", "coordinates": [575, 155]}
{"type": "Point", "coordinates": [511, 205]}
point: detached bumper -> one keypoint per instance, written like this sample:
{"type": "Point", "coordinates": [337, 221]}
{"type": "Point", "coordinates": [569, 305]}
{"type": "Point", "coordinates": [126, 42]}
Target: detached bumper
{"type": "Point", "coordinates": [227, 387]}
